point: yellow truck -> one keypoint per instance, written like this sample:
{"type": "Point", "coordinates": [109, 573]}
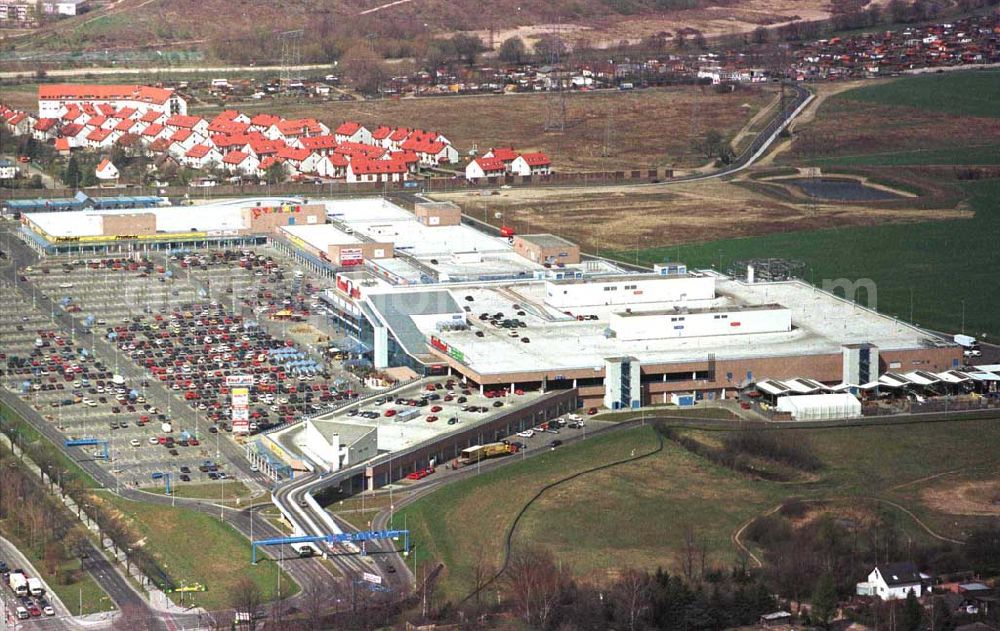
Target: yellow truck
{"type": "Point", "coordinates": [476, 453]}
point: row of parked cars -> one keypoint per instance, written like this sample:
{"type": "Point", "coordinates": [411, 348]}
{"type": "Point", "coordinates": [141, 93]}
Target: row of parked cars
{"type": "Point", "coordinates": [194, 348]}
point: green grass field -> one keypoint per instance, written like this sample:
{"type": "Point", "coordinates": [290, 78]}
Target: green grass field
{"type": "Point", "coordinates": [453, 524]}
{"type": "Point", "coordinates": [968, 93]}
{"type": "Point", "coordinates": [941, 264]}
{"type": "Point", "coordinates": [194, 547]}
{"type": "Point", "coordinates": [637, 513]}
{"type": "Point", "coordinates": [973, 156]}
{"type": "Point", "coordinates": [213, 491]}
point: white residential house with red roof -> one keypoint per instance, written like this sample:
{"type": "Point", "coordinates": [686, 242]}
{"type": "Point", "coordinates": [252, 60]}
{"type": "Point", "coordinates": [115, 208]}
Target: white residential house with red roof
{"type": "Point", "coordinates": [20, 123]}
{"type": "Point", "coordinates": [323, 145]}
{"type": "Point", "coordinates": [153, 117]}
{"type": "Point", "coordinates": [182, 141]}
{"type": "Point", "coordinates": [351, 131]}
{"type": "Point", "coordinates": [269, 162]}
{"type": "Point", "coordinates": [505, 154]}
{"type": "Point", "coordinates": [429, 149]}
{"type": "Point", "coordinates": [380, 136]}
{"type": "Point", "coordinates": [264, 122]}
{"type": "Point", "coordinates": [294, 157]}
{"type": "Point", "coordinates": [354, 149]}
{"type": "Point", "coordinates": [296, 128]}
{"type": "Point", "coordinates": [45, 129]}
{"type": "Point", "coordinates": [128, 126]}
{"type": "Point", "coordinates": [74, 114]}
{"type": "Point", "coordinates": [75, 135]}
{"type": "Point", "coordinates": [536, 163]}
{"type": "Point", "coordinates": [485, 167]}
{"type": "Point", "coordinates": [332, 166]}
{"type": "Point", "coordinates": [225, 144]}
{"type": "Point", "coordinates": [154, 132]}
{"type": "Point", "coordinates": [107, 172]}
{"type": "Point", "coordinates": [95, 122]}
{"type": "Point", "coordinates": [201, 156]}
{"type": "Point", "coordinates": [311, 163]}
{"type": "Point", "coordinates": [100, 138]}
{"type": "Point", "coordinates": [361, 170]}
{"type": "Point", "coordinates": [227, 127]}
{"type": "Point", "coordinates": [240, 162]}
{"type": "Point", "coordinates": [234, 116]}
{"type": "Point", "coordinates": [192, 123]}
{"type": "Point", "coordinates": [263, 147]}
{"type": "Point", "coordinates": [396, 138]}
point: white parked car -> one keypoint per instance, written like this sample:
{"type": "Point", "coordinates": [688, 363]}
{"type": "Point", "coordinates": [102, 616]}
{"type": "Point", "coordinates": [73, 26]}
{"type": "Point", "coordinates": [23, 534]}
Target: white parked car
{"type": "Point", "coordinates": [134, 442]}
{"type": "Point", "coordinates": [526, 433]}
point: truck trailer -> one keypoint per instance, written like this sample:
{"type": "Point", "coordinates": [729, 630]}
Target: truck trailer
{"type": "Point", "coordinates": [18, 583]}
{"type": "Point", "coordinates": [35, 587]}
{"type": "Point", "coordinates": [476, 453]}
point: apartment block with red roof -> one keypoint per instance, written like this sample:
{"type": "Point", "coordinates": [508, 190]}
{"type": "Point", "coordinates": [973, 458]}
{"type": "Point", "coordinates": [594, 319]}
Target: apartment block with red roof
{"type": "Point", "coordinates": [54, 98]}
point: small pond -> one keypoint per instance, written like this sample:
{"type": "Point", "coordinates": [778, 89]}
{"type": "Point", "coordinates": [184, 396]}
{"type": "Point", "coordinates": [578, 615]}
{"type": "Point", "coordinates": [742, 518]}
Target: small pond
{"type": "Point", "coordinates": [841, 190]}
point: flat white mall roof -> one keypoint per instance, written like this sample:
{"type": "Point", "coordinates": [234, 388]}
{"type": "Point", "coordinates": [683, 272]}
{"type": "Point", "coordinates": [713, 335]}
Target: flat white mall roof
{"type": "Point", "coordinates": [221, 215]}
{"type": "Point", "coordinates": [383, 221]}
{"type": "Point", "coordinates": [322, 235]}
{"type": "Point", "coordinates": [438, 247]}
{"type": "Point", "coordinates": [821, 324]}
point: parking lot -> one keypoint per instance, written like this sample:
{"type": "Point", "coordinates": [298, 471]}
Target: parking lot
{"type": "Point", "coordinates": [422, 412]}
{"type": "Point", "coordinates": [179, 324]}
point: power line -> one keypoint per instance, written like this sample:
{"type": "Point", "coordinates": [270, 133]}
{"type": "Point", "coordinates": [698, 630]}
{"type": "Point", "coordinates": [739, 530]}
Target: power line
{"type": "Point", "coordinates": [291, 54]}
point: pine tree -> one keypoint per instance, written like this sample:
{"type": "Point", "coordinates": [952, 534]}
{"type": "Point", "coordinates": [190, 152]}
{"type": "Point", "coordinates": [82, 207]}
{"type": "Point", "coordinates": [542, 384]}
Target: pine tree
{"type": "Point", "coordinates": [71, 174]}
{"type": "Point", "coordinates": [824, 600]}
{"type": "Point", "coordinates": [942, 617]}
{"type": "Point", "coordinates": [913, 612]}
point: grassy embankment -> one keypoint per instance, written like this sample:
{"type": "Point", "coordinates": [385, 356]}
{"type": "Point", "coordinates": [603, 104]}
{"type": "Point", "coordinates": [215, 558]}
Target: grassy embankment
{"type": "Point", "coordinates": [637, 513]}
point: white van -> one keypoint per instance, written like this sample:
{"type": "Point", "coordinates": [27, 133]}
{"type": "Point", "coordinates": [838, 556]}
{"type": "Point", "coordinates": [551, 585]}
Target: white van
{"type": "Point", "coordinates": [22, 613]}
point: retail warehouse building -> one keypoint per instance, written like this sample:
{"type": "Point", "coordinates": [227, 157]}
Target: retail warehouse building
{"type": "Point", "coordinates": [424, 290]}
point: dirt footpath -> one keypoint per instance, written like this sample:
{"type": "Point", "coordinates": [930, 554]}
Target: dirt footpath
{"type": "Point", "coordinates": [965, 498]}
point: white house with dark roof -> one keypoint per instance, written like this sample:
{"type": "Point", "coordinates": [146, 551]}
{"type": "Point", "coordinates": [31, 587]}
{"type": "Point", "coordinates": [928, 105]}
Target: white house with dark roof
{"type": "Point", "coordinates": [892, 581]}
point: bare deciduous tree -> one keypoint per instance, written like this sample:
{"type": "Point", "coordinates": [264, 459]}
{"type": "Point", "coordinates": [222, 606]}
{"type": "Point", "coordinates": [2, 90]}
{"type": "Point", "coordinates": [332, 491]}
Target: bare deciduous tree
{"type": "Point", "coordinates": [316, 600]}
{"type": "Point", "coordinates": [533, 582]}
{"type": "Point", "coordinates": [631, 597]}
{"type": "Point", "coordinates": [246, 599]}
